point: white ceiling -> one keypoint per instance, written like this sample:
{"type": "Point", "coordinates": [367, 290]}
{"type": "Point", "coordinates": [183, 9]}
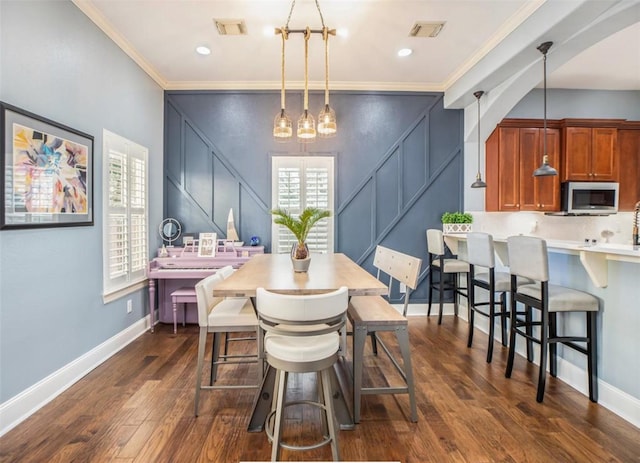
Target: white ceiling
{"type": "Point", "coordinates": [161, 35]}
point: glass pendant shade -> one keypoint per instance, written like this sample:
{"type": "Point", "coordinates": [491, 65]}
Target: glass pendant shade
{"type": "Point", "coordinates": [282, 127]}
{"type": "Point", "coordinates": [306, 128]}
{"type": "Point", "coordinates": [327, 126]}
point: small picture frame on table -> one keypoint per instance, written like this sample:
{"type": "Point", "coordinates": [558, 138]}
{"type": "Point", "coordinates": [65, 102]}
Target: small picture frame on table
{"type": "Point", "coordinates": [47, 172]}
{"type": "Point", "coordinates": [207, 244]}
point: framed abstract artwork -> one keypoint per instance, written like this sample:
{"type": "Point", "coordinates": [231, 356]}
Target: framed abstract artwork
{"type": "Point", "coordinates": [47, 172]}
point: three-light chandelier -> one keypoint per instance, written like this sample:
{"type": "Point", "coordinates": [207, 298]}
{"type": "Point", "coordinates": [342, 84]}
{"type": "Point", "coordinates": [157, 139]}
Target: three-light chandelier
{"type": "Point", "coordinates": [306, 129]}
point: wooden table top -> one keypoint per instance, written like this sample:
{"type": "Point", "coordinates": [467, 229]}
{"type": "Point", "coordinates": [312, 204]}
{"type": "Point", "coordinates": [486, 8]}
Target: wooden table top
{"type": "Point", "coordinates": [274, 272]}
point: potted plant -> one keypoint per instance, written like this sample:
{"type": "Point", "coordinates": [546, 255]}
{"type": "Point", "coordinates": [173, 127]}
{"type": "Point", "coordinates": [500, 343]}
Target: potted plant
{"type": "Point", "coordinates": [300, 226]}
{"type": "Point", "coordinates": [456, 222]}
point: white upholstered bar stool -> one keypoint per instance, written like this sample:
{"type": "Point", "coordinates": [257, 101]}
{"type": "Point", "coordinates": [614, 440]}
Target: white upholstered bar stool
{"type": "Point", "coordinates": [528, 258]}
{"type": "Point", "coordinates": [302, 337]}
{"type": "Point", "coordinates": [218, 316]}
{"type": "Point", "coordinates": [443, 266]}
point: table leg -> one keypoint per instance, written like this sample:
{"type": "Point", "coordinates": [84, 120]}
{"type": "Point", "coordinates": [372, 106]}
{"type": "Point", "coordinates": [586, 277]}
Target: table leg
{"type": "Point", "coordinates": [152, 302]}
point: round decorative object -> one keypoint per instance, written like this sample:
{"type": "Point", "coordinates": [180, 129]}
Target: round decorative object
{"type": "Point", "coordinates": [170, 230]}
{"type": "Point", "coordinates": [255, 240]}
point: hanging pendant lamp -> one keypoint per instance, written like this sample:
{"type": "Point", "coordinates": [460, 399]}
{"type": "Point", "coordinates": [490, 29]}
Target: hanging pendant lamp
{"type": "Point", "coordinates": [306, 124]}
{"type": "Point", "coordinates": [327, 126]}
{"type": "Point", "coordinates": [478, 183]}
{"type": "Point", "coordinates": [282, 128]}
{"type": "Point", "coordinates": [545, 169]}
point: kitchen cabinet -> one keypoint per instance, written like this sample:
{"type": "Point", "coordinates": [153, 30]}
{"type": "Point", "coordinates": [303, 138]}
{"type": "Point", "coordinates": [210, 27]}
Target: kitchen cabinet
{"type": "Point", "coordinates": [629, 147]}
{"type": "Point", "coordinates": [513, 151]}
{"type": "Point", "coordinates": [589, 153]}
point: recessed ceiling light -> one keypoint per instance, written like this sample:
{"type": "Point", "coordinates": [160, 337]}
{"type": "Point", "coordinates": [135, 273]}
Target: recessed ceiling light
{"type": "Point", "coordinates": [405, 52]}
{"type": "Point", "coordinates": [202, 50]}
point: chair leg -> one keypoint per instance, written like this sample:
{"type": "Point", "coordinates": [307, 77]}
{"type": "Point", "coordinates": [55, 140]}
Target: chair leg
{"type": "Point", "coordinates": [553, 346]}
{"type": "Point", "coordinates": [430, 291]}
{"type": "Point", "coordinates": [405, 349]}
{"type": "Point", "coordinates": [592, 355]}
{"type": "Point", "coordinates": [277, 427]}
{"type": "Point", "coordinates": [374, 343]}
{"type": "Point", "coordinates": [492, 319]}
{"type": "Point", "coordinates": [215, 355]}
{"type": "Point", "coordinates": [503, 318]}
{"type": "Point", "coordinates": [456, 276]}
{"type": "Point", "coordinates": [440, 297]}
{"type": "Point", "coordinates": [331, 420]}
{"type": "Point", "coordinates": [512, 338]}
{"type": "Point", "coordinates": [359, 337]}
{"type": "Point", "coordinates": [202, 345]}
{"type": "Point", "coordinates": [529, 331]}
{"type": "Point", "coordinates": [472, 302]}
{"type": "Point", "coordinates": [544, 349]}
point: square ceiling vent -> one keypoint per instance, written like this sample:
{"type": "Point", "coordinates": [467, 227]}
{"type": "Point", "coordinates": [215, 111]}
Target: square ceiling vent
{"type": "Point", "coordinates": [426, 29]}
{"type": "Point", "coordinates": [231, 26]}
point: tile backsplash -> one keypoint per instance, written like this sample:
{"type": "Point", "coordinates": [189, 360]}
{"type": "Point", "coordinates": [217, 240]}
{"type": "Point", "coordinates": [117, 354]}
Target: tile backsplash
{"type": "Point", "coordinates": [614, 228]}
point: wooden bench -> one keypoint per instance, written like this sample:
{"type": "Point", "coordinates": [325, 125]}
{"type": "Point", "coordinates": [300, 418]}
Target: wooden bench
{"type": "Point", "coordinates": [371, 314]}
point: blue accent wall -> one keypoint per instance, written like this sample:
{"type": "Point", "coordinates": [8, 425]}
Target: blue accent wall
{"type": "Point", "coordinates": [399, 165]}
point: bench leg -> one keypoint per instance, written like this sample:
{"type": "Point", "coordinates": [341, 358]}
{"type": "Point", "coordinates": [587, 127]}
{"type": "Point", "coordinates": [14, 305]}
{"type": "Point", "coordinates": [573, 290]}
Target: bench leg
{"type": "Point", "coordinates": [359, 338]}
{"type": "Point", "coordinates": [403, 341]}
{"type": "Point", "coordinates": [175, 321]}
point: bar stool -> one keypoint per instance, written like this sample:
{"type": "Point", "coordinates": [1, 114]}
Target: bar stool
{"type": "Point", "coordinates": [443, 266]}
{"type": "Point", "coordinates": [302, 337]}
{"type": "Point", "coordinates": [528, 258]}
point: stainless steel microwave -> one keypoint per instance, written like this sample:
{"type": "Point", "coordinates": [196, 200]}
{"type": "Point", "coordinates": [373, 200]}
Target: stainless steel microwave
{"type": "Point", "coordinates": [590, 198]}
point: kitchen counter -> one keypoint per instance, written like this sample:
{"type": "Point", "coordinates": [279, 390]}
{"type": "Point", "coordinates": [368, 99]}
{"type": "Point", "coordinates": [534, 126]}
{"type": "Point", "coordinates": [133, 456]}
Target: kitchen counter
{"type": "Point", "coordinates": [594, 258]}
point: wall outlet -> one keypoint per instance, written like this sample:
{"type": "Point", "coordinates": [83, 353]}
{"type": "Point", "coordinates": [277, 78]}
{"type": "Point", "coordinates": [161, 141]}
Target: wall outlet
{"type": "Point", "coordinates": [403, 288]}
{"type": "Point", "coordinates": [129, 306]}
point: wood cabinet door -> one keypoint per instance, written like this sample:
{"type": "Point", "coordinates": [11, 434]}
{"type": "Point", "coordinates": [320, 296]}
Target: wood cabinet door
{"type": "Point", "coordinates": [604, 154]}
{"type": "Point", "coordinates": [530, 158]}
{"type": "Point", "coordinates": [577, 154]}
{"type": "Point", "coordinates": [509, 169]}
{"type": "Point", "coordinates": [547, 189]}
{"type": "Point", "coordinates": [629, 149]}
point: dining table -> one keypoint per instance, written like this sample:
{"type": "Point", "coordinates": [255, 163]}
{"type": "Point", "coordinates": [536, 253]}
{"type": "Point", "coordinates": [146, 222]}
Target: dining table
{"type": "Point", "coordinates": [327, 272]}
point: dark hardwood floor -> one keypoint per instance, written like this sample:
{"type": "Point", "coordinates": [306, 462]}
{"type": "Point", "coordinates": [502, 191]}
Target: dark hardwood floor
{"type": "Point", "coordinates": [138, 407]}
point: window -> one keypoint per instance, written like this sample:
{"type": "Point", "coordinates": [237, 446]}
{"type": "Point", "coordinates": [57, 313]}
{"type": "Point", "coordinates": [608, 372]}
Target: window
{"type": "Point", "coordinates": [125, 249]}
{"type": "Point", "coordinates": [299, 182]}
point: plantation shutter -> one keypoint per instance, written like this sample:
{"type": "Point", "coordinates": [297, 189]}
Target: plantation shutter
{"type": "Point", "coordinates": [300, 182]}
{"type": "Point", "coordinates": [125, 238]}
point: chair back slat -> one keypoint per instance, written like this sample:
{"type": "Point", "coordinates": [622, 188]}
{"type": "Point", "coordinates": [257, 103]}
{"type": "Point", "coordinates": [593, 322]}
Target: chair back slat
{"type": "Point", "coordinates": [480, 250]}
{"type": "Point", "coordinates": [204, 296]}
{"type": "Point", "coordinates": [307, 308]}
{"type": "Point", "coordinates": [435, 241]}
{"type": "Point", "coordinates": [528, 257]}
{"type": "Point", "coordinates": [399, 266]}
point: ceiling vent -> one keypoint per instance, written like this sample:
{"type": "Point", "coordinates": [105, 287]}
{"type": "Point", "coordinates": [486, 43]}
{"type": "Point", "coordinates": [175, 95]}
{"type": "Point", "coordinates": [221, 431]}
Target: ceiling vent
{"type": "Point", "coordinates": [426, 29]}
{"type": "Point", "coordinates": [231, 26]}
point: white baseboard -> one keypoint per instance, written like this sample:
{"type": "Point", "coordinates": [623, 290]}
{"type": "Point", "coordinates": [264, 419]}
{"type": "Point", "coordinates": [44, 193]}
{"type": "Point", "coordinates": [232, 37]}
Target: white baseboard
{"type": "Point", "coordinates": [29, 401]}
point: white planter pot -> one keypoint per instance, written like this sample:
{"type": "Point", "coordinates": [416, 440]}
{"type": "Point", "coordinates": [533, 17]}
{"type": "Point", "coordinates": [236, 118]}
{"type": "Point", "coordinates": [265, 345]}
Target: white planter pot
{"type": "Point", "coordinates": [456, 227]}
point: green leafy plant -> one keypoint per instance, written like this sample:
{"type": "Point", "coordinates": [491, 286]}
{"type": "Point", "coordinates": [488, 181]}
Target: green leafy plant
{"type": "Point", "coordinates": [300, 226]}
{"type": "Point", "coordinates": [456, 217]}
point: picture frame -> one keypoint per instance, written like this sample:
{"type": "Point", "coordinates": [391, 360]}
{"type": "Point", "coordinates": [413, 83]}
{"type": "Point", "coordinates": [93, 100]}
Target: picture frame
{"type": "Point", "coordinates": [207, 243]}
{"type": "Point", "coordinates": [47, 172]}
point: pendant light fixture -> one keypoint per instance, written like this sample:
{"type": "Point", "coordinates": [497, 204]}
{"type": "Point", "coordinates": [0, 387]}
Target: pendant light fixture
{"type": "Point", "coordinates": [327, 126]}
{"type": "Point", "coordinates": [545, 169]}
{"type": "Point", "coordinates": [306, 124]}
{"type": "Point", "coordinates": [478, 183]}
{"type": "Point", "coordinates": [306, 128]}
{"type": "Point", "coordinates": [282, 130]}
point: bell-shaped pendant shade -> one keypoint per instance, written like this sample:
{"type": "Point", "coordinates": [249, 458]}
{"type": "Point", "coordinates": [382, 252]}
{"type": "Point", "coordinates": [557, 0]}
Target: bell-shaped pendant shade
{"type": "Point", "coordinates": [282, 127]}
{"type": "Point", "coordinates": [306, 128]}
{"type": "Point", "coordinates": [327, 126]}
{"type": "Point", "coordinates": [545, 169]}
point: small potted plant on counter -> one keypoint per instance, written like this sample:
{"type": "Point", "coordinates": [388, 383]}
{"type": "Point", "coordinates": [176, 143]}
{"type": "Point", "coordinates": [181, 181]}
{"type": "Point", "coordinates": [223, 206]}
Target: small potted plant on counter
{"type": "Point", "coordinates": [456, 222]}
{"type": "Point", "coordinates": [300, 226]}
